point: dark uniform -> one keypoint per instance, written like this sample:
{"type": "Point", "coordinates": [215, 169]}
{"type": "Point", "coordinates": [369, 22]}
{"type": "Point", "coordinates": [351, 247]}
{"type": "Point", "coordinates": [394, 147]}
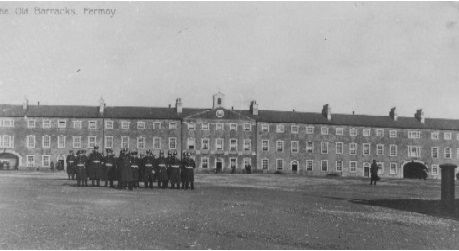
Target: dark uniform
{"type": "Point", "coordinates": [95, 162]}
{"type": "Point", "coordinates": [173, 170]}
{"type": "Point", "coordinates": [135, 167]}
{"type": "Point", "coordinates": [110, 167]}
{"type": "Point", "coordinates": [125, 170]}
{"type": "Point", "coordinates": [148, 171]}
{"type": "Point", "coordinates": [81, 159]}
{"type": "Point", "coordinates": [374, 172]}
{"type": "Point", "coordinates": [71, 165]}
{"type": "Point", "coordinates": [183, 171]}
{"type": "Point", "coordinates": [163, 179]}
{"type": "Point", "coordinates": [188, 166]}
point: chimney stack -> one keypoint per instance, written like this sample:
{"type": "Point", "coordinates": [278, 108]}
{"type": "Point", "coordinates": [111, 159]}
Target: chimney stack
{"type": "Point", "coordinates": [101, 106]}
{"type": "Point", "coordinates": [25, 105]}
{"type": "Point", "coordinates": [393, 114]}
{"type": "Point", "coordinates": [326, 111]}
{"type": "Point", "coordinates": [178, 105]}
{"type": "Point", "coordinates": [419, 115]}
{"type": "Point", "coordinates": [254, 108]}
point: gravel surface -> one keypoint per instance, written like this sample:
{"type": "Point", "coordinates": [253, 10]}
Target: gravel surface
{"type": "Point", "coordinates": [47, 211]}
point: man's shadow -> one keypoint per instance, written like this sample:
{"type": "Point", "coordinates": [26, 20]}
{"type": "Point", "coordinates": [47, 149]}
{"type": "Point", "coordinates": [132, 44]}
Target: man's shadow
{"type": "Point", "coordinates": [429, 207]}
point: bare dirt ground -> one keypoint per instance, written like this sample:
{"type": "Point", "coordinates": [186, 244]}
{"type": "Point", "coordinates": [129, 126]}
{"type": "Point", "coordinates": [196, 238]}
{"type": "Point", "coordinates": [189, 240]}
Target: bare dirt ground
{"type": "Point", "coordinates": [47, 211]}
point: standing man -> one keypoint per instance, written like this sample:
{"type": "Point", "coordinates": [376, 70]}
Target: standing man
{"type": "Point", "coordinates": [81, 160]}
{"type": "Point", "coordinates": [190, 165]}
{"type": "Point", "coordinates": [183, 165]}
{"type": "Point", "coordinates": [95, 166]}
{"type": "Point", "coordinates": [162, 174]}
{"type": "Point", "coordinates": [110, 167]}
{"type": "Point", "coordinates": [149, 172]}
{"type": "Point", "coordinates": [71, 163]}
{"type": "Point", "coordinates": [125, 170]}
{"type": "Point", "coordinates": [174, 170]}
{"type": "Point", "coordinates": [374, 172]}
{"type": "Point", "coordinates": [135, 169]}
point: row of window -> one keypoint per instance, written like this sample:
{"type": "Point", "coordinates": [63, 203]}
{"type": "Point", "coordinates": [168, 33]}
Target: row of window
{"type": "Point", "coordinates": [219, 144]}
{"type": "Point", "coordinates": [219, 126]}
{"type": "Point", "coordinates": [7, 123]}
{"type": "Point", "coordinates": [220, 162]}
{"type": "Point", "coordinates": [77, 142]}
{"type": "Point", "coordinates": [92, 124]}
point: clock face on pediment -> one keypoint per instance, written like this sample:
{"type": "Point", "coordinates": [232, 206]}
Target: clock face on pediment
{"type": "Point", "coordinates": [220, 113]}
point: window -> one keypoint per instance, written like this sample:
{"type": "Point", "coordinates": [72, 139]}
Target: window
{"type": "Point", "coordinates": [108, 141]}
{"type": "Point", "coordinates": [191, 126]}
{"type": "Point", "coordinates": [309, 165]}
{"type": "Point", "coordinates": [294, 146]}
{"type": "Point", "coordinates": [205, 126]}
{"type": "Point", "coordinates": [265, 164]}
{"type": "Point", "coordinates": [339, 165]}
{"type": "Point", "coordinates": [157, 125]}
{"type": "Point", "coordinates": [393, 133]}
{"type": "Point", "coordinates": [172, 143]}
{"type": "Point", "coordinates": [219, 126]}
{"type": "Point", "coordinates": [339, 131]}
{"type": "Point", "coordinates": [173, 125]}
{"type": "Point", "coordinates": [352, 148]}
{"type": "Point", "coordinates": [141, 142]}
{"type": "Point", "coordinates": [124, 141]}
{"type": "Point", "coordinates": [414, 151]}
{"type": "Point", "coordinates": [76, 141]}
{"type": "Point", "coordinates": [324, 147]}
{"type": "Point", "coordinates": [91, 141]}
{"type": "Point", "coordinates": [77, 124]}
{"type": "Point", "coordinates": [310, 130]}
{"type": "Point", "coordinates": [265, 145]}
{"type": "Point", "coordinates": [380, 132]}
{"type": "Point", "coordinates": [379, 149]}
{"type": "Point", "coordinates": [414, 134]}
{"type": "Point", "coordinates": [156, 143]}
{"type": "Point", "coordinates": [8, 123]}
{"type": "Point", "coordinates": [61, 124]}
{"type": "Point", "coordinates": [366, 166]}
{"type": "Point", "coordinates": [30, 160]}
{"type": "Point", "coordinates": [219, 142]}
{"type": "Point", "coordinates": [339, 147]}
{"type": "Point", "coordinates": [435, 135]}
{"type": "Point", "coordinates": [46, 141]}
{"type": "Point", "coordinates": [366, 132]}
{"type": "Point", "coordinates": [352, 166]}
{"type": "Point", "coordinates": [324, 130]}
{"type": "Point", "coordinates": [434, 169]}
{"type": "Point", "coordinates": [204, 162]}
{"type": "Point", "coordinates": [447, 152]}
{"type": "Point", "coordinates": [205, 144]}
{"type": "Point", "coordinates": [393, 168]}
{"type": "Point", "coordinates": [294, 129]}
{"type": "Point", "coordinates": [279, 164]}
{"type": "Point", "coordinates": [380, 167]}
{"type": "Point", "coordinates": [233, 126]}
{"type": "Point", "coordinates": [434, 152]}
{"type": "Point", "coordinates": [366, 149]}
{"type": "Point", "coordinates": [247, 144]}
{"type": "Point", "coordinates": [324, 165]}
{"type": "Point", "coordinates": [309, 147]}
{"type": "Point", "coordinates": [45, 160]}
{"type": "Point", "coordinates": [279, 146]}
{"type": "Point", "coordinates": [353, 132]}
{"type": "Point", "coordinates": [7, 141]}
{"type": "Point", "coordinates": [247, 127]}
{"type": "Point", "coordinates": [393, 150]}
{"type": "Point", "coordinates": [279, 128]}
{"type": "Point", "coordinates": [108, 124]}
{"type": "Point", "coordinates": [233, 145]}
{"type": "Point", "coordinates": [233, 163]}
{"type": "Point", "coordinates": [447, 135]}
{"type": "Point", "coordinates": [30, 141]}
{"type": "Point", "coordinates": [125, 125]}
{"type": "Point", "coordinates": [92, 125]}
{"type": "Point", "coordinates": [30, 124]}
{"type": "Point", "coordinates": [140, 125]}
{"type": "Point", "coordinates": [46, 124]}
{"type": "Point", "coordinates": [191, 142]}
{"type": "Point", "coordinates": [61, 141]}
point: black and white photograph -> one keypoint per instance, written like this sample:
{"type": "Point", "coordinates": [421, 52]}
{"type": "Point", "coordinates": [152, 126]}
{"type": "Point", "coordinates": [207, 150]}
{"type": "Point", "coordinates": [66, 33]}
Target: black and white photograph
{"type": "Point", "coordinates": [229, 125]}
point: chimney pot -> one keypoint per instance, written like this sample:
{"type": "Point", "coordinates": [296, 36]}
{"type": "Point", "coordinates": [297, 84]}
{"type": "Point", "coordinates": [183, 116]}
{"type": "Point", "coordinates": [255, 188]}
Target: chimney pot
{"type": "Point", "coordinates": [254, 107]}
{"type": "Point", "coordinates": [178, 105]}
{"type": "Point", "coordinates": [393, 113]}
{"type": "Point", "coordinates": [326, 111]}
{"type": "Point", "coordinates": [419, 115]}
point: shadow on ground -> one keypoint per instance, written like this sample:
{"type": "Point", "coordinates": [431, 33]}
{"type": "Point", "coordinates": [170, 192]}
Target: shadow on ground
{"type": "Point", "coordinates": [429, 207]}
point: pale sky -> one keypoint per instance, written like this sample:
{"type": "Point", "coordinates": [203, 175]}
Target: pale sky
{"type": "Point", "coordinates": [365, 57]}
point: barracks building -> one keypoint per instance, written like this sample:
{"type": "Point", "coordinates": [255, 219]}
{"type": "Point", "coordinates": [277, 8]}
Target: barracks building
{"type": "Point", "coordinates": [306, 143]}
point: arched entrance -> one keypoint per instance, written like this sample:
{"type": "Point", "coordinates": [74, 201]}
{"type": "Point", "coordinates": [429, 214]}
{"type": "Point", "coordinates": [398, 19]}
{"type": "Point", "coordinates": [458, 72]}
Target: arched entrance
{"type": "Point", "coordinates": [414, 170]}
{"type": "Point", "coordinates": [8, 161]}
{"type": "Point", "coordinates": [294, 166]}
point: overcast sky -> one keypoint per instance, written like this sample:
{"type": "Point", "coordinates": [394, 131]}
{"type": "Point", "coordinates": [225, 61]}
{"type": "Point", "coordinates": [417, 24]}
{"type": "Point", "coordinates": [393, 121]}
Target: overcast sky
{"type": "Point", "coordinates": [362, 57]}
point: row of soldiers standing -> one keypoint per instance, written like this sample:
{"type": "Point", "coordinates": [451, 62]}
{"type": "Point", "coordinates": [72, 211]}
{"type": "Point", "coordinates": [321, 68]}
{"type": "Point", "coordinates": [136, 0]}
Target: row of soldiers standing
{"type": "Point", "coordinates": [129, 169]}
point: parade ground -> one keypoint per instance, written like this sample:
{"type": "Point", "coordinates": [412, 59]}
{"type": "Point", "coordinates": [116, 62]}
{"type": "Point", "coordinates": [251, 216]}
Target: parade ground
{"type": "Point", "coordinates": [47, 211]}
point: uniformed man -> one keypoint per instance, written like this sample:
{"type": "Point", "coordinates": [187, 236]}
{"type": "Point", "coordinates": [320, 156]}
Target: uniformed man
{"type": "Point", "coordinates": [374, 172]}
{"type": "Point", "coordinates": [173, 168]}
{"type": "Point", "coordinates": [147, 163]}
{"type": "Point", "coordinates": [81, 160]}
{"type": "Point", "coordinates": [119, 165]}
{"type": "Point", "coordinates": [135, 169]}
{"type": "Point", "coordinates": [183, 170]}
{"type": "Point", "coordinates": [189, 166]}
{"type": "Point", "coordinates": [110, 167]}
{"type": "Point", "coordinates": [71, 165]}
{"type": "Point", "coordinates": [141, 167]}
{"type": "Point", "coordinates": [125, 170]}
{"type": "Point", "coordinates": [162, 171]}
{"type": "Point", "coordinates": [95, 161]}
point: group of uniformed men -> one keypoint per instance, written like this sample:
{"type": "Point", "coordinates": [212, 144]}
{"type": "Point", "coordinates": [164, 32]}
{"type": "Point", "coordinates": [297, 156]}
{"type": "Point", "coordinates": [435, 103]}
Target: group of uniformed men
{"type": "Point", "coordinates": [130, 168]}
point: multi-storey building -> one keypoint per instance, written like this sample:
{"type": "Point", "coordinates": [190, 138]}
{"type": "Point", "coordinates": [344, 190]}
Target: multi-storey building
{"type": "Point", "coordinates": [270, 141]}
